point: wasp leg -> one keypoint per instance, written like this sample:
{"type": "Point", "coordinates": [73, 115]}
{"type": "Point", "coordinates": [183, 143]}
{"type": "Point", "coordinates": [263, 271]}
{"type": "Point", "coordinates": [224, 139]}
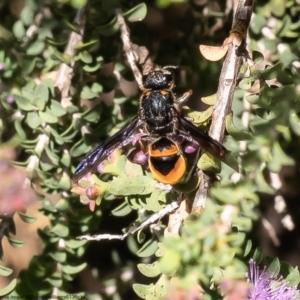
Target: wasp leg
{"type": "Point", "coordinates": [184, 97]}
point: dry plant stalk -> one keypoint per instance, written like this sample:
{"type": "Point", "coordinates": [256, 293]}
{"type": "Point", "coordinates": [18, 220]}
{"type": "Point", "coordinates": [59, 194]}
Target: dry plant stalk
{"type": "Point", "coordinates": [227, 83]}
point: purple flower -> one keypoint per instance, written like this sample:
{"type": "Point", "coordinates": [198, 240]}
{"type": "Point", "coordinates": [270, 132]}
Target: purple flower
{"type": "Point", "coordinates": [10, 99]}
{"type": "Point", "coordinates": [267, 286]}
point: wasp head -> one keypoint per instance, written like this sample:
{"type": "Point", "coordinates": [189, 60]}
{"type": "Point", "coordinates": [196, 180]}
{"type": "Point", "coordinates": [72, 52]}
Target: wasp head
{"type": "Point", "coordinates": [157, 79]}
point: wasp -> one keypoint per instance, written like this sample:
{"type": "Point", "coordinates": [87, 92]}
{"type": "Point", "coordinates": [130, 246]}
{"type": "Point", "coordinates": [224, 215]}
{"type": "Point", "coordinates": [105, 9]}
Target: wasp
{"type": "Point", "coordinates": [164, 132]}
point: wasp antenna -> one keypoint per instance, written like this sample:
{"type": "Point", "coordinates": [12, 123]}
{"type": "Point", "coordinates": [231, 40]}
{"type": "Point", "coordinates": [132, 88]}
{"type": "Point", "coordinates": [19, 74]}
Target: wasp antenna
{"type": "Point", "coordinates": [170, 67]}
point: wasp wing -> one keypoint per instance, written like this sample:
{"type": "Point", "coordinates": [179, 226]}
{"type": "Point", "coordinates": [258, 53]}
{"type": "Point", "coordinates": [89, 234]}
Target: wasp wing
{"type": "Point", "coordinates": [203, 139]}
{"type": "Point", "coordinates": [100, 153]}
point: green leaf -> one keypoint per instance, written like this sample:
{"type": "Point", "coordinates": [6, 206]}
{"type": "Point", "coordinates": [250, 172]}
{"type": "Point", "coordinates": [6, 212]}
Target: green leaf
{"type": "Point", "coordinates": [262, 185]}
{"type": "Point", "coordinates": [23, 103]}
{"type": "Point", "coordinates": [128, 186]}
{"type": "Point", "coordinates": [209, 100]}
{"type": "Point", "coordinates": [27, 219]}
{"type": "Point", "coordinates": [9, 288]}
{"type": "Point", "coordinates": [257, 57]}
{"type": "Point", "coordinates": [74, 269]}
{"type": "Point", "coordinates": [87, 93]}
{"type": "Point", "coordinates": [253, 99]}
{"type": "Point", "coordinates": [92, 115]}
{"type": "Point", "coordinates": [274, 267]}
{"type": "Point", "coordinates": [294, 277]}
{"type": "Point", "coordinates": [55, 42]}
{"type": "Point", "coordinates": [271, 72]}
{"type": "Point", "coordinates": [27, 15]}
{"type": "Point", "coordinates": [15, 243]}
{"type": "Point", "coordinates": [147, 249]}
{"type": "Point", "coordinates": [279, 158]}
{"type": "Point", "coordinates": [42, 92]}
{"type": "Point", "coordinates": [79, 148]}
{"type": "Point", "coordinates": [248, 247]}
{"type": "Point", "coordinates": [19, 29]}
{"type": "Point", "coordinates": [187, 187]}
{"type": "Point", "coordinates": [56, 55]}
{"type": "Point", "coordinates": [33, 120]}
{"type": "Point", "coordinates": [78, 3]}
{"type": "Point", "coordinates": [81, 45]}
{"type": "Point", "coordinates": [160, 250]}
{"type": "Point", "coordinates": [208, 162]}
{"type": "Point", "coordinates": [60, 230]}
{"type": "Point", "coordinates": [92, 68]}
{"type": "Point", "coordinates": [170, 262]}
{"type": "Point", "coordinates": [228, 195]}
{"type": "Point", "coordinates": [29, 64]}
{"type": "Point", "coordinates": [246, 83]}
{"type": "Point", "coordinates": [257, 23]}
{"type": "Point", "coordinates": [156, 201]}
{"type": "Point", "coordinates": [109, 28]}
{"type": "Point", "coordinates": [277, 7]}
{"type": "Point", "coordinates": [5, 271]}
{"type": "Point", "coordinates": [161, 287]}
{"type": "Point", "coordinates": [294, 122]}
{"type": "Point", "coordinates": [46, 167]}
{"type": "Point", "coordinates": [35, 48]}
{"type": "Point", "coordinates": [122, 210]}
{"type": "Point", "coordinates": [97, 88]}
{"type": "Point", "coordinates": [132, 169]}
{"type": "Point", "coordinates": [48, 117]}
{"type": "Point", "coordinates": [242, 224]}
{"type": "Point", "coordinates": [58, 139]}
{"type": "Point", "coordinates": [55, 280]}
{"type": "Point", "coordinates": [20, 129]}
{"type": "Point", "coordinates": [197, 116]}
{"type": "Point", "coordinates": [86, 57]}
{"type": "Point", "coordinates": [75, 244]}
{"type": "Point", "coordinates": [52, 156]}
{"type": "Point", "coordinates": [62, 205]}
{"type": "Point", "coordinates": [137, 13]}
{"type": "Point", "coordinates": [66, 159]}
{"type": "Point", "coordinates": [150, 270]}
{"type": "Point", "coordinates": [141, 236]}
{"type": "Point", "coordinates": [142, 290]}
{"type": "Point", "coordinates": [238, 135]}
{"type": "Point", "coordinates": [59, 256]}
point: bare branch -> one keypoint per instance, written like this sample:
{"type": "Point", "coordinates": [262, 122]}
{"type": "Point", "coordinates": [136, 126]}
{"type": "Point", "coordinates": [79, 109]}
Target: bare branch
{"type": "Point", "coordinates": [227, 83]}
{"type": "Point", "coordinates": [135, 54]}
{"type": "Point", "coordinates": [65, 72]}
{"type": "Point", "coordinates": [153, 218]}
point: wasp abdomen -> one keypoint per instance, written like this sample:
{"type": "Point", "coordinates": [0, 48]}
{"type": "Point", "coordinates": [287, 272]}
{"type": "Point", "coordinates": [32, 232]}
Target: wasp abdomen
{"type": "Point", "coordinates": [166, 162]}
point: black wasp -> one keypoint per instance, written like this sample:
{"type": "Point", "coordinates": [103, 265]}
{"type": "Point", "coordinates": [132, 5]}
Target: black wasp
{"type": "Point", "coordinates": [164, 129]}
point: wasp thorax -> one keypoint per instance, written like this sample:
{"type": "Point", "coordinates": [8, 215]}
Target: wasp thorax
{"type": "Point", "coordinates": [158, 79]}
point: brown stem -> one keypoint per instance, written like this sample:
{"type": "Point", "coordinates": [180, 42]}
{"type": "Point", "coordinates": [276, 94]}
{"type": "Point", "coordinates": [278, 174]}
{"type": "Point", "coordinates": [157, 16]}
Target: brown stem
{"type": "Point", "coordinates": [227, 83]}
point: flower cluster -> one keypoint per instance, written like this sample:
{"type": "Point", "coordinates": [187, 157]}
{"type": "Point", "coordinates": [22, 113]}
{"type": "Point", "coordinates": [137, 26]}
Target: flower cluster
{"type": "Point", "coordinates": [268, 286]}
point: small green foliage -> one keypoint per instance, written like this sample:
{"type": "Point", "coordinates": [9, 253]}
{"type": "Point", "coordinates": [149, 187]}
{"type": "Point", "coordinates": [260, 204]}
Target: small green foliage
{"type": "Point", "coordinates": [5, 271]}
{"type": "Point", "coordinates": [137, 13]}
{"type": "Point", "coordinates": [9, 288]}
{"type": "Point", "coordinates": [15, 243]}
{"type": "Point", "coordinates": [147, 249]}
{"type": "Point", "coordinates": [150, 270]}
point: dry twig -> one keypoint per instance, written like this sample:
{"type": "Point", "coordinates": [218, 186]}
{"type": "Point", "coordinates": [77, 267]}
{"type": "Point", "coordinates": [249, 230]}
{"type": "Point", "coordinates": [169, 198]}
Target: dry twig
{"type": "Point", "coordinates": [227, 83]}
{"type": "Point", "coordinates": [153, 218]}
{"type": "Point", "coordinates": [65, 72]}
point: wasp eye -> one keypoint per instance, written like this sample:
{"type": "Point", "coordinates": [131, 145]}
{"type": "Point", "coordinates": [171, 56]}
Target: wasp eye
{"type": "Point", "coordinates": [168, 77]}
